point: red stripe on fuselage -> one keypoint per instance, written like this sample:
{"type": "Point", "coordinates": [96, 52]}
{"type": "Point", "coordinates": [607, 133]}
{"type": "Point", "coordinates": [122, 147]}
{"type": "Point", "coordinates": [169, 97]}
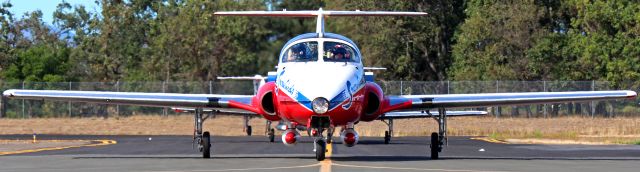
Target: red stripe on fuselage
{"type": "Point", "coordinates": [238, 105]}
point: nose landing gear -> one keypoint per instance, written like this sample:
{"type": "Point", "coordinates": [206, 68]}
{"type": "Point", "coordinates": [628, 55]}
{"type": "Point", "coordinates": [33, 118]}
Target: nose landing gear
{"type": "Point", "coordinates": [321, 149]}
{"type": "Point", "coordinates": [319, 124]}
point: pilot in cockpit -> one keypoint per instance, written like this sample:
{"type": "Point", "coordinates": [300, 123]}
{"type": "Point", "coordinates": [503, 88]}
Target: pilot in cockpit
{"type": "Point", "coordinates": [340, 53]}
{"type": "Point", "coordinates": [298, 52]}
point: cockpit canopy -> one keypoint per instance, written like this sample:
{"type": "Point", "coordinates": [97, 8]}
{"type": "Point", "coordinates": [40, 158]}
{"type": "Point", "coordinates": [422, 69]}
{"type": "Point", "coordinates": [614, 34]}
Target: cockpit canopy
{"type": "Point", "coordinates": [332, 51]}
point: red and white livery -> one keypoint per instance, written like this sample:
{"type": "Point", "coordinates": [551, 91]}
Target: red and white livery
{"type": "Point", "coordinates": [320, 84]}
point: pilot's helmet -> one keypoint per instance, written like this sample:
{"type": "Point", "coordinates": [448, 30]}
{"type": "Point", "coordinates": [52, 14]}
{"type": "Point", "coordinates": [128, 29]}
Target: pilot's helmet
{"type": "Point", "coordinates": [299, 50]}
{"type": "Point", "coordinates": [339, 49]}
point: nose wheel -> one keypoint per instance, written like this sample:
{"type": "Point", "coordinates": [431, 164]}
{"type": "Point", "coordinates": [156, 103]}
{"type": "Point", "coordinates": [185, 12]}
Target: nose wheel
{"type": "Point", "coordinates": [320, 142]}
{"type": "Point", "coordinates": [321, 149]}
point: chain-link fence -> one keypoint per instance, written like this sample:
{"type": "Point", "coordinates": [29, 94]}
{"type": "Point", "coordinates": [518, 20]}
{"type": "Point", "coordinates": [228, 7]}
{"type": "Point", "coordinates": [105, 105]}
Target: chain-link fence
{"type": "Point", "coordinates": [14, 108]}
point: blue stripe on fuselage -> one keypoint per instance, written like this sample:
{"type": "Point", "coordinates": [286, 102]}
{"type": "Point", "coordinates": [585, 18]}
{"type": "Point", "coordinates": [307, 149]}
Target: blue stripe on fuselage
{"type": "Point", "coordinates": [306, 102]}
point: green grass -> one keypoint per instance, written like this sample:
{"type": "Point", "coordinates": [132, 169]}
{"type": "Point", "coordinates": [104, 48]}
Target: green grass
{"type": "Point", "coordinates": [497, 136]}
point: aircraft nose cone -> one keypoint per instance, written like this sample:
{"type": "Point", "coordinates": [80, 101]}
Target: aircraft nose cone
{"type": "Point", "coordinates": [327, 82]}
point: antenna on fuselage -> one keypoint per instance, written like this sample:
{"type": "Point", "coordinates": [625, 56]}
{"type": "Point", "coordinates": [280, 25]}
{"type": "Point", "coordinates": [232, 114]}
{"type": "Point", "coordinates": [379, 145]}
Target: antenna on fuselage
{"type": "Point", "coordinates": [320, 14]}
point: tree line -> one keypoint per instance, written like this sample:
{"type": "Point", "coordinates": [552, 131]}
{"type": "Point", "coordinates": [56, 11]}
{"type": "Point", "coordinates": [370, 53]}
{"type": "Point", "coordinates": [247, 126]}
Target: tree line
{"type": "Point", "coordinates": [181, 40]}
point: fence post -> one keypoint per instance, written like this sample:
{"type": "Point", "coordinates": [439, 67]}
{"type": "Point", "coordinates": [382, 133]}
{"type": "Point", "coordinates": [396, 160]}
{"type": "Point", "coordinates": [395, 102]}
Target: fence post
{"type": "Point", "coordinates": [210, 87]}
{"type": "Point", "coordinates": [448, 87]}
{"type": "Point", "coordinates": [593, 104]}
{"type": "Point", "coordinates": [401, 89]}
{"type": "Point", "coordinates": [499, 107]}
{"type": "Point", "coordinates": [164, 110]}
{"type": "Point", "coordinates": [23, 113]}
{"type": "Point", "coordinates": [118, 105]}
{"type": "Point", "coordinates": [69, 103]}
{"type": "Point", "coordinates": [544, 106]}
{"type": "Point", "coordinates": [3, 106]}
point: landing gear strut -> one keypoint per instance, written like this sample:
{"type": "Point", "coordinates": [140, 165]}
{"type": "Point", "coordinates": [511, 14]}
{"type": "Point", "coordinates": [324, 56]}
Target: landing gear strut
{"type": "Point", "coordinates": [439, 139]}
{"type": "Point", "coordinates": [203, 139]}
{"type": "Point", "coordinates": [270, 132]}
{"type": "Point", "coordinates": [247, 127]}
{"type": "Point", "coordinates": [319, 141]}
{"type": "Point", "coordinates": [389, 133]}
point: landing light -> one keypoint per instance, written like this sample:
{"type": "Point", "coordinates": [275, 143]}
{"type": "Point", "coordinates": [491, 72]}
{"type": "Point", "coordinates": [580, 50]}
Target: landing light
{"type": "Point", "coordinates": [320, 105]}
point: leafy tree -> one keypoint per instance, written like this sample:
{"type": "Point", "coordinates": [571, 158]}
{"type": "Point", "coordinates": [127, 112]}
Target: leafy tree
{"type": "Point", "coordinates": [492, 43]}
{"type": "Point", "coordinates": [40, 63]}
{"type": "Point", "coordinates": [412, 48]}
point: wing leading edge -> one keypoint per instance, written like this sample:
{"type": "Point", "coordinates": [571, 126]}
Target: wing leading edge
{"type": "Point", "coordinates": [426, 114]}
{"type": "Point", "coordinates": [419, 102]}
{"type": "Point", "coordinates": [139, 98]}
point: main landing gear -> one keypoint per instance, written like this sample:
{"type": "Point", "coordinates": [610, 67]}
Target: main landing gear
{"type": "Point", "coordinates": [203, 139]}
{"type": "Point", "coordinates": [439, 139]}
{"type": "Point", "coordinates": [247, 127]}
{"type": "Point", "coordinates": [270, 132]}
{"type": "Point", "coordinates": [389, 133]}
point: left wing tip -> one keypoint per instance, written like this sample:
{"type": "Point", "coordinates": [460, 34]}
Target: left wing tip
{"type": "Point", "coordinates": [8, 93]}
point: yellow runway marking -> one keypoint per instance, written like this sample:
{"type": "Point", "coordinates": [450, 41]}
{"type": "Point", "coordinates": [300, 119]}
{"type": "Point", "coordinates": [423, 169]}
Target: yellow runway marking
{"type": "Point", "coordinates": [486, 139]}
{"type": "Point", "coordinates": [99, 143]}
{"type": "Point", "coordinates": [248, 169]}
{"type": "Point", "coordinates": [413, 169]}
{"type": "Point", "coordinates": [325, 166]}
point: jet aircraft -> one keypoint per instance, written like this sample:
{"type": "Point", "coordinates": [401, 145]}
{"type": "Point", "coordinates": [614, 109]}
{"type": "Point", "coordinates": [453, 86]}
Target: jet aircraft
{"type": "Point", "coordinates": [320, 84]}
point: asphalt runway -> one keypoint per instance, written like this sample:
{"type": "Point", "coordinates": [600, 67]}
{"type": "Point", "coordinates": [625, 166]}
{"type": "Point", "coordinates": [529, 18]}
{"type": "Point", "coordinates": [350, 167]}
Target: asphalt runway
{"type": "Point", "coordinates": [255, 153]}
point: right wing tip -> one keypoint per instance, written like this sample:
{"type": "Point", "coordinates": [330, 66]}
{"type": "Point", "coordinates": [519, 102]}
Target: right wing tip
{"type": "Point", "coordinates": [631, 94]}
{"type": "Point", "coordinates": [8, 93]}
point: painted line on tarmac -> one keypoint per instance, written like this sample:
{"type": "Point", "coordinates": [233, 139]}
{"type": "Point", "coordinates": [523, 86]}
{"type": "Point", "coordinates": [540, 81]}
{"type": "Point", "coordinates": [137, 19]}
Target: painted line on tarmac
{"type": "Point", "coordinates": [486, 139]}
{"type": "Point", "coordinates": [246, 169]}
{"type": "Point", "coordinates": [409, 169]}
{"type": "Point", "coordinates": [96, 143]}
{"type": "Point", "coordinates": [325, 166]}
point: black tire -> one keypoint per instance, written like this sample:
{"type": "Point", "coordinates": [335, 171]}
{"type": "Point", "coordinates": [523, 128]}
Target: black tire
{"type": "Point", "coordinates": [321, 149]}
{"type": "Point", "coordinates": [206, 145]}
{"type": "Point", "coordinates": [435, 145]}
{"type": "Point", "coordinates": [272, 135]}
{"type": "Point", "coordinates": [248, 130]}
{"type": "Point", "coordinates": [387, 137]}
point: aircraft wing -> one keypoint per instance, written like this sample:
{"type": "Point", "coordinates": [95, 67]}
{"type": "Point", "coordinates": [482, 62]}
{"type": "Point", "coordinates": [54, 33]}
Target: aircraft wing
{"type": "Point", "coordinates": [420, 102]}
{"type": "Point", "coordinates": [424, 114]}
{"type": "Point", "coordinates": [227, 111]}
{"type": "Point", "coordinates": [139, 98]}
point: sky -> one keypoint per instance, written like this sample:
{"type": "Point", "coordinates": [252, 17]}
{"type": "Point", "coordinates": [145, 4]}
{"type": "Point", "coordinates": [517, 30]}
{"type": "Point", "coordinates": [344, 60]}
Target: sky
{"type": "Point", "coordinates": [47, 7]}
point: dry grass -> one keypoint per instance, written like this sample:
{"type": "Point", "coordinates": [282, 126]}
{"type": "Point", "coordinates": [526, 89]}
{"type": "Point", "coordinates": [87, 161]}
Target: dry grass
{"type": "Point", "coordinates": [617, 130]}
